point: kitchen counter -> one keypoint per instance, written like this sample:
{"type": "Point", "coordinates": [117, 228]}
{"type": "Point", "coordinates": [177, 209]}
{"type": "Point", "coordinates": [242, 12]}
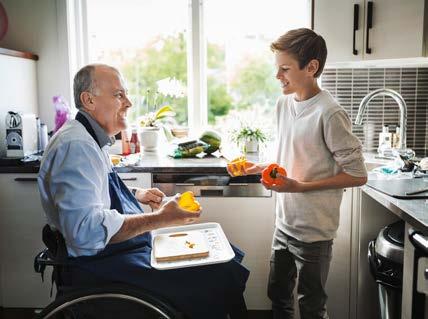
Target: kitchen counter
{"type": "Point", "coordinates": [146, 163]}
{"type": "Point", "coordinates": [413, 211]}
{"type": "Point", "coordinates": [17, 166]}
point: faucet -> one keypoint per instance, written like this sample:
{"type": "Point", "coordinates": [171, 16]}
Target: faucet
{"type": "Point", "coordinates": [401, 104]}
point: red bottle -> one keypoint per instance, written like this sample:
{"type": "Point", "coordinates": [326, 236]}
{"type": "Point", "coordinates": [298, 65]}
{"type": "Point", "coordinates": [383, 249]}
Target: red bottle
{"type": "Point", "coordinates": [126, 147]}
{"type": "Point", "coordinates": [135, 142]}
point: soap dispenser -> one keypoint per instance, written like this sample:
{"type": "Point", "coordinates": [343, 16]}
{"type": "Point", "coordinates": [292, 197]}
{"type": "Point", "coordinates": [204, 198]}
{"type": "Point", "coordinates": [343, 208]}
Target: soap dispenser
{"type": "Point", "coordinates": [385, 141]}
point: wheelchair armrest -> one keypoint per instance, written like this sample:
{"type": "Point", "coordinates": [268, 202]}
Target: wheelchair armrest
{"type": "Point", "coordinates": [44, 259]}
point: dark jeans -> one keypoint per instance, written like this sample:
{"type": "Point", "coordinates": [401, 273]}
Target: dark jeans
{"type": "Point", "coordinates": [311, 262]}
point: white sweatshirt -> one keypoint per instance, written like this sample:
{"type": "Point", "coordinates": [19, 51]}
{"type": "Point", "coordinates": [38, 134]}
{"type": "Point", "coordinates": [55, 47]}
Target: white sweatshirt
{"type": "Point", "coordinates": [315, 141]}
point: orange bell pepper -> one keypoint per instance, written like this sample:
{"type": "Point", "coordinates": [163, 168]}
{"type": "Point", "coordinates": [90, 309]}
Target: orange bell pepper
{"type": "Point", "coordinates": [237, 165]}
{"type": "Point", "coordinates": [271, 173]}
{"type": "Point", "coordinates": [188, 202]}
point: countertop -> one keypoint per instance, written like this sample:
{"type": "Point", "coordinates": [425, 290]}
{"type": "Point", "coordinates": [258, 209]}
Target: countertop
{"type": "Point", "coordinates": [150, 162]}
{"type": "Point", "coordinates": [17, 166]}
{"type": "Point", "coordinates": [413, 211]}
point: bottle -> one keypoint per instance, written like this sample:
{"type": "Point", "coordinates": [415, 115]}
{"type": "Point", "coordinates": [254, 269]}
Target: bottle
{"type": "Point", "coordinates": [135, 143]}
{"type": "Point", "coordinates": [126, 147]}
{"type": "Point", "coordinates": [62, 112]}
{"type": "Point", "coordinates": [43, 136]}
{"type": "Point", "coordinates": [396, 143]}
{"type": "Point", "coordinates": [385, 137]}
{"type": "Point", "coordinates": [385, 141]}
{"type": "Point", "coordinates": [38, 123]}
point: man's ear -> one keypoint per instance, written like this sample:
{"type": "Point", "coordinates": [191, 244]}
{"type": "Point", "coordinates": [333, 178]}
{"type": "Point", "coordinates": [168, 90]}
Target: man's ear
{"type": "Point", "coordinates": [87, 100]}
{"type": "Point", "coordinates": [313, 66]}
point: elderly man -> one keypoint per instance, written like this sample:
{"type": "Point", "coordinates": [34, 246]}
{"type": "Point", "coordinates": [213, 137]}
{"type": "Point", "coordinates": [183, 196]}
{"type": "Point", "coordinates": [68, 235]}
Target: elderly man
{"type": "Point", "coordinates": [107, 235]}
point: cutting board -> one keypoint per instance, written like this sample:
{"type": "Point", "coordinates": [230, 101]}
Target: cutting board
{"type": "Point", "coordinates": [180, 246]}
{"type": "Point", "coordinates": [399, 187]}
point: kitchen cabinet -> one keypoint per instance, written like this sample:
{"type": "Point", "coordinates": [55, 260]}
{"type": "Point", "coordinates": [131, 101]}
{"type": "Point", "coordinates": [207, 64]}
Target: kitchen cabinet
{"type": "Point", "coordinates": [369, 217]}
{"type": "Point", "coordinates": [21, 221]}
{"type": "Point", "coordinates": [143, 180]}
{"type": "Point", "coordinates": [357, 30]}
{"type": "Point", "coordinates": [248, 223]}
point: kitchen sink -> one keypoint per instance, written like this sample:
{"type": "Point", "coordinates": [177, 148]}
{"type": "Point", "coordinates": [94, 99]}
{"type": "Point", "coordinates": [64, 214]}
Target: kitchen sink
{"type": "Point", "coordinates": [372, 165]}
{"type": "Point", "coordinates": [372, 161]}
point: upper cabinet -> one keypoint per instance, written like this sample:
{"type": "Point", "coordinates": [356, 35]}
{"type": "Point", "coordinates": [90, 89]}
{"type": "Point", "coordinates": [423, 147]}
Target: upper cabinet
{"type": "Point", "coordinates": [371, 30]}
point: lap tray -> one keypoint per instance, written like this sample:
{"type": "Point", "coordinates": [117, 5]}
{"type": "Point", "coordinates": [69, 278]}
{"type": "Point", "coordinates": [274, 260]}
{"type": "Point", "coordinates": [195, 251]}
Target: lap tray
{"type": "Point", "coordinates": [189, 246]}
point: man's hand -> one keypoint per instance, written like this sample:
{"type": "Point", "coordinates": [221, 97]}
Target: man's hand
{"type": "Point", "coordinates": [171, 214]}
{"type": "Point", "coordinates": [150, 196]}
{"type": "Point", "coordinates": [285, 185]}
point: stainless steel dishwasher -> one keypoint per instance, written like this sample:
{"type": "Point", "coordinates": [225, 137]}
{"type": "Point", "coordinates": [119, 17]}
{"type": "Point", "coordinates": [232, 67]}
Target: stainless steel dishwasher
{"type": "Point", "coordinates": [210, 185]}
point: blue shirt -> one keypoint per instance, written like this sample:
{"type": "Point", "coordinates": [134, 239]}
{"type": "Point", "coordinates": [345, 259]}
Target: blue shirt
{"type": "Point", "coordinates": [74, 189]}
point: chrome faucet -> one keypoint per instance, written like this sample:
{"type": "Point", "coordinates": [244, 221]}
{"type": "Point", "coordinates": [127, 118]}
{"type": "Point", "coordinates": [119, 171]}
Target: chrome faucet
{"type": "Point", "coordinates": [401, 104]}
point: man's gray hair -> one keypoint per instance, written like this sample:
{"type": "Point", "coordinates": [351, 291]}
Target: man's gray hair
{"type": "Point", "coordinates": [84, 81]}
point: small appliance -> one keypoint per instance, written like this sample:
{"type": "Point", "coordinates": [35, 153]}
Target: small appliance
{"type": "Point", "coordinates": [21, 134]}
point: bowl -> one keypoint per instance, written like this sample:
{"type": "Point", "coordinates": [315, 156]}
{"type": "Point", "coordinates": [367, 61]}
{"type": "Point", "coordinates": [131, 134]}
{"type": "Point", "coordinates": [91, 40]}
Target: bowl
{"type": "Point", "coordinates": [180, 132]}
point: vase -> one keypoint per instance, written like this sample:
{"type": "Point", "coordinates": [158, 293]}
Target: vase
{"type": "Point", "coordinates": [251, 146]}
{"type": "Point", "coordinates": [149, 137]}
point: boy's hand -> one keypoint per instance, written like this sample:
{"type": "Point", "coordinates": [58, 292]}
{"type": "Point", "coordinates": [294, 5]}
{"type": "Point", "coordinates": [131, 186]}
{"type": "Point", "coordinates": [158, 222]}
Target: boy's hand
{"type": "Point", "coordinates": [171, 214]}
{"type": "Point", "coordinates": [249, 168]}
{"type": "Point", "coordinates": [286, 185]}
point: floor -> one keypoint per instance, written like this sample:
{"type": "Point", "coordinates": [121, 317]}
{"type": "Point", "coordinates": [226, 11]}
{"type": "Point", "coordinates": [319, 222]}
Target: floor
{"type": "Point", "coordinates": [28, 313]}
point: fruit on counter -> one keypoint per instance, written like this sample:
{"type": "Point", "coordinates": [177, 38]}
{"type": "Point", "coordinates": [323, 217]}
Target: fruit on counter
{"type": "Point", "coordinates": [188, 202]}
{"type": "Point", "coordinates": [213, 139]}
{"type": "Point", "coordinates": [271, 173]}
{"type": "Point", "coordinates": [236, 166]}
{"type": "Point", "coordinates": [189, 149]}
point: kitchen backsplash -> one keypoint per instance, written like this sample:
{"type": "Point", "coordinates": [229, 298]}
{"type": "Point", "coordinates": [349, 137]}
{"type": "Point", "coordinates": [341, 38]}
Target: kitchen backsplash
{"type": "Point", "coordinates": [349, 86]}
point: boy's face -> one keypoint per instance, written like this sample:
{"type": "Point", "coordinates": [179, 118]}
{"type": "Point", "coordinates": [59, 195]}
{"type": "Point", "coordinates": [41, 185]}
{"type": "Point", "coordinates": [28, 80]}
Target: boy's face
{"type": "Point", "coordinates": [292, 78]}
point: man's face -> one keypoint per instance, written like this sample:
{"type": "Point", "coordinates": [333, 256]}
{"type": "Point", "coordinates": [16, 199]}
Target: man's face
{"type": "Point", "coordinates": [292, 78]}
{"type": "Point", "coordinates": [110, 103]}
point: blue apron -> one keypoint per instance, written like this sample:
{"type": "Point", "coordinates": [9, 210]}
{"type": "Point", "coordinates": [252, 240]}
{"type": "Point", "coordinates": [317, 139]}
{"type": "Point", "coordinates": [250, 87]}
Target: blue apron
{"type": "Point", "coordinates": [210, 291]}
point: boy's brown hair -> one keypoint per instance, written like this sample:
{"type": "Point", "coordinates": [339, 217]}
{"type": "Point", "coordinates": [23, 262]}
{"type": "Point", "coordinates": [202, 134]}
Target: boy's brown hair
{"type": "Point", "coordinates": [305, 45]}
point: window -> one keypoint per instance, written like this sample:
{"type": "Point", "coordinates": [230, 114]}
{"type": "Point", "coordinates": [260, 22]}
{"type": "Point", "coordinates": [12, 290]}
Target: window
{"type": "Point", "coordinates": [152, 42]}
{"type": "Point", "coordinates": [146, 40]}
{"type": "Point", "coordinates": [240, 67]}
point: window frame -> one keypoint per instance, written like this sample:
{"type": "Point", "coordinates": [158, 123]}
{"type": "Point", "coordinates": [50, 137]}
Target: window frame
{"type": "Point", "coordinates": [197, 91]}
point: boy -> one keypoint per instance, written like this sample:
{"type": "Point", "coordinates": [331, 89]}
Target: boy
{"type": "Point", "coordinates": [321, 156]}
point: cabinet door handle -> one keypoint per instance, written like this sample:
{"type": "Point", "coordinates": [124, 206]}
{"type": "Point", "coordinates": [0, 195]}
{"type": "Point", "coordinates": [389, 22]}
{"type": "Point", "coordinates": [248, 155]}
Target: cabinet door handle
{"type": "Point", "coordinates": [26, 179]}
{"type": "Point", "coordinates": [129, 179]}
{"type": "Point", "coordinates": [356, 18]}
{"type": "Point", "coordinates": [369, 25]}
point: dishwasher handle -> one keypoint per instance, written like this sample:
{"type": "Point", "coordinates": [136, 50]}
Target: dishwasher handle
{"type": "Point", "coordinates": [211, 192]}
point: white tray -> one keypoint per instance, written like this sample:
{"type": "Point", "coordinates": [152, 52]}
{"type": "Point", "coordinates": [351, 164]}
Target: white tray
{"type": "Point", "coordinates": [220, 250]}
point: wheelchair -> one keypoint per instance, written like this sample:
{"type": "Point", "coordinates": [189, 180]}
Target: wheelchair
{"type": "Point", "coordinates": [95, 299]}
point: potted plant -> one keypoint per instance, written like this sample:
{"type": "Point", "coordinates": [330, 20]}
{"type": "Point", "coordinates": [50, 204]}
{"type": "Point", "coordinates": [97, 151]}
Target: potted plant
{"type": "Point", "coordinates": [150, 125]}
{"type": "Point", "coordinates": [151, 122]}
{"type": "Point", "coordinates": [249, 138]}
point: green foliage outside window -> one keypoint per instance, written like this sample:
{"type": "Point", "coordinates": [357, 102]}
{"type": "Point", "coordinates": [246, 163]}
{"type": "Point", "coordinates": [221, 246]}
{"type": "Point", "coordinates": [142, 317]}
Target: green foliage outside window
{"type": "Point", "coordinates": [166, 56]}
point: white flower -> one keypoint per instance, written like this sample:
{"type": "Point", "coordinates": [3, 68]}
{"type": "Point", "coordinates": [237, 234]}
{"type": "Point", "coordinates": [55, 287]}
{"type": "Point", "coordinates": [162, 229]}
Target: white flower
{"type": "Point", "coordinates": [172, 87]}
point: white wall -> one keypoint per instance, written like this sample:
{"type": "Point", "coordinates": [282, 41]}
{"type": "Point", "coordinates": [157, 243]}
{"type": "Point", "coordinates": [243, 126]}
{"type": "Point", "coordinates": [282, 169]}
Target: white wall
{"type": "Point", "coordinates": [40, 26]}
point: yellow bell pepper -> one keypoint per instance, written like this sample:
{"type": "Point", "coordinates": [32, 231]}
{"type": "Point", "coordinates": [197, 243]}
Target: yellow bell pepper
{"type": "Point", "coordinates": [188, 202]}
{"type": "Point", "coordinates": [237, 165]}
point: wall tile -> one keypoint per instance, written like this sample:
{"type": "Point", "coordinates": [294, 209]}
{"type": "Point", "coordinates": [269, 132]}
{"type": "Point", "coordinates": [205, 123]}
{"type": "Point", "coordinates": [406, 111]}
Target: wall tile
{"type": "Point", "coordinates": [349, 86]}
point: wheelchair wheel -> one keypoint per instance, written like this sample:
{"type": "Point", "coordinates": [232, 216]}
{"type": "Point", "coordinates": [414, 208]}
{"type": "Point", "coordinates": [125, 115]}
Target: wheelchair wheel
{"type": "Point", "coordinates": [109, 302]}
